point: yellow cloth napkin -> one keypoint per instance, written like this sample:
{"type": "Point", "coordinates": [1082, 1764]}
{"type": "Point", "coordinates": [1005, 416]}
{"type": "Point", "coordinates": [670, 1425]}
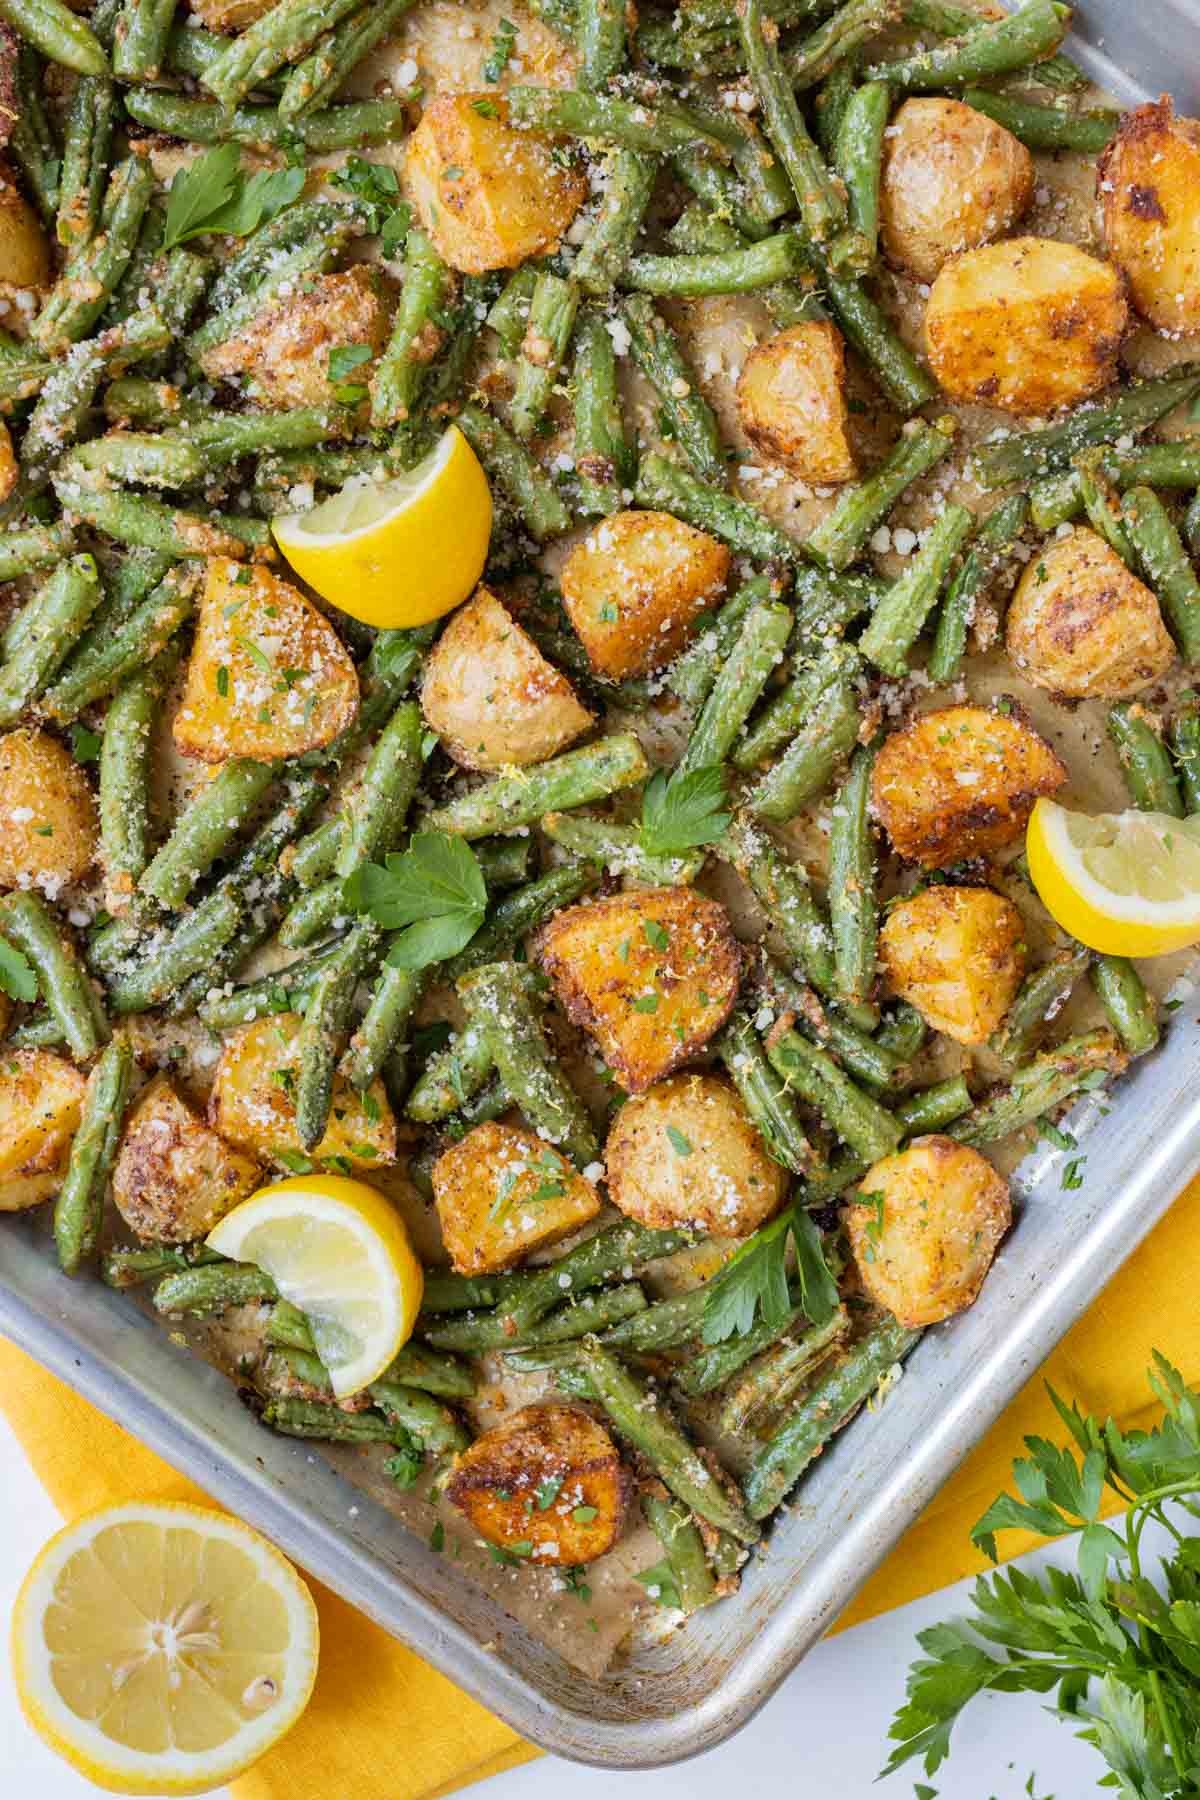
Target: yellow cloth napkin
{"type": "Point", "coordinates": [347, 1741]}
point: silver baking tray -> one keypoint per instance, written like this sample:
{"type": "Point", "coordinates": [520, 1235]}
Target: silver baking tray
{"type": "Point", "coordinates": [673, 1699]}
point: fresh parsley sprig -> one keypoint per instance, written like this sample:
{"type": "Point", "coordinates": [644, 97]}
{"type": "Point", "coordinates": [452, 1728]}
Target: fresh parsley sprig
{"type": "Point", "coordinates": [433, 893]}
{"type": "Point", "coordinates": [681, 812]}
{"type": "Point", "coordinates": [754, 1282]}
{"type": "Point", "coordinates": [1122, 1650]}
{"type": "Point", "coordinates": [18, 977]}
{"type": "Point", "coordinates": [213, 194]}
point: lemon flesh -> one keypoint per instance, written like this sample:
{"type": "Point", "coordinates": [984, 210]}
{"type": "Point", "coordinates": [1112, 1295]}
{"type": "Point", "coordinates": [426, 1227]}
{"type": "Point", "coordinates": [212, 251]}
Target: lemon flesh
{"type": "Point", "coordinates": [1125, 884]}
{"type": "Point", "coordinates": [400, 551]}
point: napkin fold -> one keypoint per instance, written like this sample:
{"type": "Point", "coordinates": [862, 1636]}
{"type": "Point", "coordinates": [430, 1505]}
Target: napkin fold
{"type": "Point", "coordinates": [383, 1725]}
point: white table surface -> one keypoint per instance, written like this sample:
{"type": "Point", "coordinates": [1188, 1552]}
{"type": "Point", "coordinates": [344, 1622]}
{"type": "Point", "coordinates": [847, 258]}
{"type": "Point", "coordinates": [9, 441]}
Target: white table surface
{"type": "Point", "coordinates": [824, 1733]}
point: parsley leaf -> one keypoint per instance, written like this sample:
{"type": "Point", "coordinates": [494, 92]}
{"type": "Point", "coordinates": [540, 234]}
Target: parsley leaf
{"type": "Point", "coordinates": [503, 45]}
{"type": "Point", "coordinates": [754, 1282]}
{"type": "Point", "coordinates": [214, 195]}
{"type": "Point", "coordinates": [18, 976]}
{"type": "Point", "coordinates": [376, 187]}
{"type": "Point", "coordinates": [433, 892]}
{"type": "Point", "coordinates": [682, 1146]}
{"type": "Point", "coordinates": [345, 358]}
{"type": "Point", "coordinates": [660, 1583]}
{"type": "Point", "coordinates": [404, 1467]}
{"type": "Point", "coordinates": [85, 744]}
{"type": "Point", "coordinates": [686, 810]}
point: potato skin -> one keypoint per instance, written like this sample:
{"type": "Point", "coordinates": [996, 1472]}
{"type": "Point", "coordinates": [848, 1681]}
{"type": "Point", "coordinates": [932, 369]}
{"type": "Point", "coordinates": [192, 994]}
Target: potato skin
{"type": "Point", "coordinates": [174, 1178]}
{"type": "Point", "coordinates": [284, 350]}
{"type": "Point", "coordinates": [961, 782]}
{"type": "Point", "coordinates": [725, 1183]}
{"type": "Point", "coordinates": [252, 1105]}
{"type": "Point", "coordinates": [633, 586]}
{"type": "Point", "coordinates": [496, 1484]}
{"type": "Point", "coordinates": [952, 179]}
{"type": "Point", "coordinates": [289, 683]}
{"type": "Point", "coordinates": [483, 1189]}
{"type": "Point", "coordinates": [792, 405]}
{"type": "Point", "coordinates": [1027, 325]}
{"type": "Point", "coordinates": [490, 694]}
{"type": "Point", "coordinates": [488, 196]}
{"type": "Point", "coordinates": [42, 785]}
{"type": "Point", "coordinates": [1147, 181]}
{"type": "Point", "coordinates": [41, 1096]}
{"type": "Point", "coordinates": [648, 1009]}
{"type": "Point", "coordinates": [1080, 623]}
{"type": "Point", "coordinates": [925, 1244]}
{"type": "Point", "coordinates": [958, 955]}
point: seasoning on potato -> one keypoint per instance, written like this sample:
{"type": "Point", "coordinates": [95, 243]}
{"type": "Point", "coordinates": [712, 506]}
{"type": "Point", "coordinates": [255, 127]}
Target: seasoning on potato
{"type": "Point", "coordinates": [684, 1152]}
{"type": "Point", "coordinates": [1082, 624]}
{"type": "Point", "coordinates": [951, 180]}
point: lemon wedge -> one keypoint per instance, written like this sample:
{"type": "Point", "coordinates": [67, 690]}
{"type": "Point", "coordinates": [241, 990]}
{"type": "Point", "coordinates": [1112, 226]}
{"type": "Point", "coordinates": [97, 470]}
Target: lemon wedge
{"type": "Point", "coordinates": [401, 551]}
{"type": "Point", "coordinates": [340, 1252]}
{"type": "Point", "coordinates": [1126, 884]}
{"type": "Point", "coordinates": [161, 1648]}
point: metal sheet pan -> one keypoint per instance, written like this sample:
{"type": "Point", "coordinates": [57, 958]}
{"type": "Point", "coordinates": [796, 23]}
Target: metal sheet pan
{"type": "Point", "coordinates": [683, 1696]}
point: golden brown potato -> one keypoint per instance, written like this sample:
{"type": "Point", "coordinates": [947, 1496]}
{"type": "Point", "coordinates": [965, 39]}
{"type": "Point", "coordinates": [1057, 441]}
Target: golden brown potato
{"type": "Point", "coordinates": [1028, 325]}
{"type": "Point", "coordinates": [960, 782]}
{"type": "Point", "coordinates": [488, 196]}
{"type": "Point", "coordinates": [47, 813]}
{"type": "Point", "coordinates": [634, 585]}
{"type": "Point", "coordinates": [174, 1178]}
{"type": "Point", "coordinates": [652, 975]}
{"type": "Point", "coordinates": [253, 1105]}
{"type": "Point", "coordinates": [958, 955]}
{"type": "Point", "coordinates": [548, 1483]}
{"type": "Point", "coordinates": [25, 265]}
{"type": "Point", "coordinates": [952, 179]}
{"type": "Point", "coordinates": [1147, 180]}
{"type": "Point", "coordinates": [925, 1228]}
{"type": "Point", "coordinates": [791, 403]}
{"type": "Point", "coordinates": [490, 694]}
{"type": "Point", "coordinates": [268, 675]}
{"type": "Point", "coordinates": [41, 1096]}
{"type": "Point", "coordinates": [9, 469]}
{"type": "Point", "coordinates": [284, 350]}
{"type": "Point", "coordinates": [685, 1153]}
{"type": "Point", "coordinates": [1081, 624]}
{"type": "Point", "coordinates": [501, 1192]}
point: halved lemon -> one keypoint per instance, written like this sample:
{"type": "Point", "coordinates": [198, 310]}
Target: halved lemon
{"type": "Point", "coordinates": [1126, 884]}
{"type": "Point", "coordinates": [340, 1252]}
{"type": "Point", "coordinates": [400, 551]}
{"type": "Point", "coordinates": [161, 1648]}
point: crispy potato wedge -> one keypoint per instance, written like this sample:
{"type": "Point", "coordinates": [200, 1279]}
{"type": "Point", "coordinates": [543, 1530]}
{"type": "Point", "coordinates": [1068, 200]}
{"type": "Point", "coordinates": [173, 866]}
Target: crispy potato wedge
{"type": "Point", "coordinates": [18, 1192]}
{"type": "Point", "coordinates": [792, 405]}
{"type": "Point", "coordinates": [268, 675]}
{"type": "Point", "coordinates": [1082, 624]}
{"type": "Point", "coordinates": [651, 975]}
{"type": "Point", "coordinates": [952, 179]}
{"type": "Point", "coordinates": [490, 694]}
{"type": "Point", "coordinates": [1147, 181]}
{"type": "Point", "coordinates": [252, 1105]}
{"type": "Point", "coordinates": [502, 1191]}
{"type": "Point", "coordinates": [1028, 325]}
{"type": "Point", "coordinates": [40, 1100]}
{"type": "Point", "coordinates": [547, 1484]}
{"type": "Point", "coordinates": [685, 1153]}
{"type": "Point", "coordinates": [488, 196]}
{"type": "Point", "coordinates": [958, 955]}
{"type": "Point", "coordinates": [926, 1229]}
{"type": "Point", "coordinates": [634, 585]}
{"type": "Point", "coordinates": [284, 350]}
{"type": "Point", "coordinates": [174, 1177]}
{"type": "Point", "coordinates": [960, 782]}
{"type": "Point", "coordinates": [48, 827]}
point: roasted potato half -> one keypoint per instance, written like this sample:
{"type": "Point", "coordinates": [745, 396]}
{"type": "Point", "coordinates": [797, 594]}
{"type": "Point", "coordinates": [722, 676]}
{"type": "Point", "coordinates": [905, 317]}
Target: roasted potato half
{"type": "Point", "coordinates": [791, 402]}
{"type": "Point", "coordinates": [284, 351]}
{"type": "Point", "coordinates": [253, 1105]}
{"type": "Point", "coordinates": [961, 782]}
{"type": "Point", "coordinates": [1027, 325]}
{"type": "Point", "coordinates": [925, 1227]}
{"type": "Point", "coordinates": [9, 468]}
{"type": "Point", "coordinates": [952, 179]}
{"type": "Point", "coordinates": [48, 827]}
{"type": "Point", "coordinates": [1147, 181]}
{"type": "Point", "coordinates": [634, 585]}
{"type": "Point", "coordinates": [502, 1191]}
{"type": "Point", "coordinates": [174, 1177]}
{"type": "Point", "coordinates": [651, 975]}
{"type": "Point", "coordinates": [268, 676]}
{"type": "Point", "coordinates": [41, 1096]}
{"type": "Point", "coordinates": [1081, 624]}
{"type": "Point", "coordinates": [548, 1483]}
{"type": "Point", "coordinates": [490, 694]}
{"type": "Point", "coordinates": [958, 955]}
{"type": "Point", "coordinates": [24, 252]}
{"type": "Point", "coordinates": [685, 1153]}
{"type": "Point", "coordinates": [488, 196]}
